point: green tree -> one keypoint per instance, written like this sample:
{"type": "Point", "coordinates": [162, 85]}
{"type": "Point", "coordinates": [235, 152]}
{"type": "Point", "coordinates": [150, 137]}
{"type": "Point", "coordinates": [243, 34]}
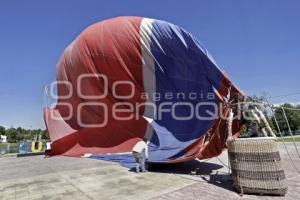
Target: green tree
{"type": "Point", "coordinates": [11, 134]}
{"type": "Point", "coordinates": [293, 117]}
{"type": "Point", "coordinates": [45, 135]}
{"type": "Point", "coordinates": [20, 134]}
{"type": "Point", "coordinates": [2, 130]}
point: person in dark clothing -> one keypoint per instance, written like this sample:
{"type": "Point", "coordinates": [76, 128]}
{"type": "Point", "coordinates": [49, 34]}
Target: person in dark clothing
{"type": "Point", "coordinates": [252, 121]}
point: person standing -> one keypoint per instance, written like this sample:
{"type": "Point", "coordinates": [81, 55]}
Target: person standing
{"type": "Point", "coordinates": [140, 154]}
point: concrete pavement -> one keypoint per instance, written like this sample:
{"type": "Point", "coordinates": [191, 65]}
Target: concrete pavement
{"type": "Point", "coordinates": [83, 178]}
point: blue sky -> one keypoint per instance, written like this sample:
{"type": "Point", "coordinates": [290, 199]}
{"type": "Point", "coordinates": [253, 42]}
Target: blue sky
{"type": "Point", "coordinates": [257, 42]}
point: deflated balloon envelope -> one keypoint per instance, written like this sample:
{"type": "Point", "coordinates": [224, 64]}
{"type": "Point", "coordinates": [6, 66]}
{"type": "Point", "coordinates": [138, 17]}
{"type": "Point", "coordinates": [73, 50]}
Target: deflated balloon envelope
{"type": "Point", "coordinates": [166, 83]}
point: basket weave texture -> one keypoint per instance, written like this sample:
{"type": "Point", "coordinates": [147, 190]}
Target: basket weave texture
{"type": "Point", "coordinates": [256, 166]}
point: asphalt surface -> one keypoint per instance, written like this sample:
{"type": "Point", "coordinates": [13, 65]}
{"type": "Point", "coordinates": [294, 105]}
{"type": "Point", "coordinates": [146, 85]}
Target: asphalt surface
{"type": "Point", "coordinates": [37, 177]}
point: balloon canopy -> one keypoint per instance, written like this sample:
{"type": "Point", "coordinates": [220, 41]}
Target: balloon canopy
{"type": "Point", "coordinates": [128, 78]}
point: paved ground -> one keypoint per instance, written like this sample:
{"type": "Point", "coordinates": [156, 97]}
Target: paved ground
{"type": "Point", "coordinates": [214, 182]}
{"type": "Point", "coordinates": [81, 178]}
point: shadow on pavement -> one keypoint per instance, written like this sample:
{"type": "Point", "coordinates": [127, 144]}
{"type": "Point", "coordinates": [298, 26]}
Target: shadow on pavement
{"type": "Point", "coordinates": [191, 167]}
{"type": "Point", "coordinates": [203, 170]}
{"type": "Point", "coordinates": [221, 180]}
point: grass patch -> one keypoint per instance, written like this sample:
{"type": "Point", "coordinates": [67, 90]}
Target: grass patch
{"type": "Point", "coordinates": [10, 144]}
{"type": "Point", "coordinates": [7, 148]}
{"type": "Point", "coordinates": [295, 138]}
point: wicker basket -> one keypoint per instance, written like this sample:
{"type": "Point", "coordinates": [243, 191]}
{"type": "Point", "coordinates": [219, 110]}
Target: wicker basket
{"type": "Point", "coordinates": [256, 166]}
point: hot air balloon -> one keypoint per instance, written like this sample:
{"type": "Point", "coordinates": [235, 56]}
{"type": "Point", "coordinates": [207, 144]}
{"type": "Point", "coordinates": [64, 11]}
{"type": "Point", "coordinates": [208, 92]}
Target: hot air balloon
{"type": "Point", "coordinates": [128, 78]}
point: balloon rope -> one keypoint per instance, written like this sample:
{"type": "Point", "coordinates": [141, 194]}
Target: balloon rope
{"type": "Point", "coordinates": [290, 131]}
{"type": "Point", "coordinates": [279, 131]}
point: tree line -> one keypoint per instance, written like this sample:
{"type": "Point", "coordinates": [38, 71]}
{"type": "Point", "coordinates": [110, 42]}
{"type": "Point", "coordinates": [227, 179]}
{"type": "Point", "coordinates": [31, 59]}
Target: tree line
{"type": "Point", "coordinates": [19, 134]}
